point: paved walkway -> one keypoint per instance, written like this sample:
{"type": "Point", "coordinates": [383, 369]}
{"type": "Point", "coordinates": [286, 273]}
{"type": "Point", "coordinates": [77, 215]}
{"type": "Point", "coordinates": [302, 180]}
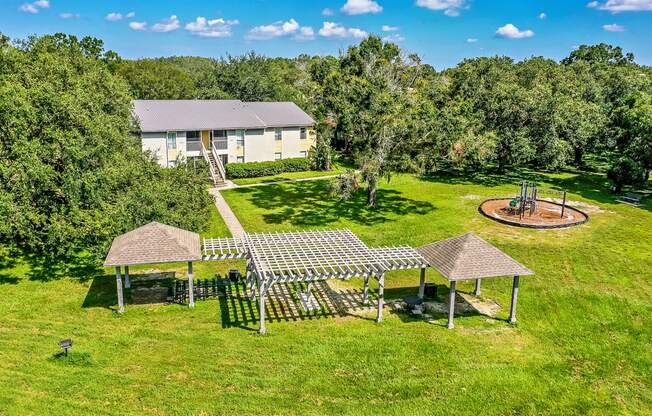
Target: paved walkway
{"type": "Point", "coordinates": [231, 221]}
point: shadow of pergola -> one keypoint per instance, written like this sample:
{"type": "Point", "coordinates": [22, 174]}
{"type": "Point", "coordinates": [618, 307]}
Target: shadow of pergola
{"type": "Point", "coordinates": [283, 304]}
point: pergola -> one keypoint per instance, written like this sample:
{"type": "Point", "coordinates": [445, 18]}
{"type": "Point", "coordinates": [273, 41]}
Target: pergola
{"type": "Point", "coordinates": [310, 256]}
{"type": "Point", "coordinates": [149, 244]}
{"type": "Point", "coordinates": [468, 257]}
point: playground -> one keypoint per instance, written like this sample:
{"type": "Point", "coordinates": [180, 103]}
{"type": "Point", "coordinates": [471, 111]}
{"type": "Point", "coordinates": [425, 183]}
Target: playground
{"type": "Point", "coordinates": [531, 209]}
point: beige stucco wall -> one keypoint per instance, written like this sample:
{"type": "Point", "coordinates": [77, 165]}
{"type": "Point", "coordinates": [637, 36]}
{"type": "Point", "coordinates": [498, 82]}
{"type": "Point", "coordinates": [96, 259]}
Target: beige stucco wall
{"type": "Point", "coordinates": [155, 142]}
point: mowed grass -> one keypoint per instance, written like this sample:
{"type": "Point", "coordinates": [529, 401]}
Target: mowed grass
{"type": "Point", "coordinates": [582, 345]}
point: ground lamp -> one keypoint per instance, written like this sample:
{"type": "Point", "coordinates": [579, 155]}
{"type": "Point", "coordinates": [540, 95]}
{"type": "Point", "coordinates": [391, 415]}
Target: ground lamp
{"type": "Point", "coordinates": [65, 344]}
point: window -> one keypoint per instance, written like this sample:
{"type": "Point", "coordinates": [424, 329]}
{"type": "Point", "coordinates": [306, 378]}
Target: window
{"type": "Point", "coordinates": [278, 133]}
{"type": "Point", "coordinates": [303, 153]}
{"type": "Point", "coordinates": [221, 134]}
{"type": "Point", "coordinates": [303, 133]}
{"type": "Point", "coordinates": [192, 135]}
{"type": "Point", "coordinates": [172, 140]}
{"type": "Point", "coordinates": [239, 137]}
{"type": "Point", "coordinates": [278, 156]}
{"type": "Point", "coordinates": [240, 159]}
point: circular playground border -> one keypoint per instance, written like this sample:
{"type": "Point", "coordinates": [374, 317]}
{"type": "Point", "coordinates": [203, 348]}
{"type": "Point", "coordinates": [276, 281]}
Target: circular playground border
{"type": "Point", "coordinates": [533, 226]}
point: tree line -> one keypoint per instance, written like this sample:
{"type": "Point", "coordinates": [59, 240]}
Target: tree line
{"type": "Point", "coordinates": [386, 110]}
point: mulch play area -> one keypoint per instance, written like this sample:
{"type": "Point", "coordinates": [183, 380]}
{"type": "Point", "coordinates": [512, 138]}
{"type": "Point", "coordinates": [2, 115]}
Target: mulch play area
{"type": "Point", "coordinates": [546, 215]}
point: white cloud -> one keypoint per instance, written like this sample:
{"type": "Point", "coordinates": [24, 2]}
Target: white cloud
{"type": "Point", "coordinates": [472, 40]}
{"type": "Point", "coordinates": [510, 31]}
{"type": "Point", "coordinates": [327, 12]}
{"type": "Point", "coordinates": [336, 30]}
{"type": "Point", "coordinates": [542, 16]}
{"type": "Point", "coordinates": [614, 28]}
{"type": "Point", "coordinates": [34, 7]}
{"type": "Point", "coordinates": [616, 6]}
{"type": "Point", "coordinates": [167, 25]}
{"type": "Point", "coordinates": [130, 15]}
{"type": "Point", "coordinates": [281, 29]}
{"type": "Point", "coordinates": [215, 28]}
{"type": "Point", "coordinates": [138, 25]}
{"type": "Point", "coordinates": [69, 15]}
{"type": "Point", "coordinates": [394, 38]}
{"type": "Point", "coordinates": [450, 7]}
{"type": "Point", "coordinates": [113, 17]}
{"type": "Point", "coordinates": [305, 33]}
{"type": "Point", "coordinates": [353, 7]}
{"type": "Point", "coordinates": [387, 28]}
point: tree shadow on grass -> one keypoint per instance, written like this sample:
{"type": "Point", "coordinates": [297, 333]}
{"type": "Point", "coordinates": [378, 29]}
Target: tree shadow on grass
{"type": "Point", "coordinates": [81, 267]}
{"type": "Point", "coordinates": [9, 256]}
{"type": "Point", "coordinates": [102, 293]}
{"type": "Point", "coordinates": [308, 204]}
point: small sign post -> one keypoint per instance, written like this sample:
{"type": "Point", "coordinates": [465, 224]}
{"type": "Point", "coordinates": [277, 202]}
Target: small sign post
{"type": "Point", "coordinates": [65, 344]}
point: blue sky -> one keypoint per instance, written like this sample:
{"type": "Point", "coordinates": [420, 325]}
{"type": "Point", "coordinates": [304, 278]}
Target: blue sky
{"type": "Point", "coordinates": [443, 32]}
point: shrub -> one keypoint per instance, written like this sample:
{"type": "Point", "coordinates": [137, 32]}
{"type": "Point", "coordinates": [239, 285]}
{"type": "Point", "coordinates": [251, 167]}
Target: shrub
{"type": "Point", "coordinates": [625, 171]}
{"type": "Point", "coordinates": [256, 169]}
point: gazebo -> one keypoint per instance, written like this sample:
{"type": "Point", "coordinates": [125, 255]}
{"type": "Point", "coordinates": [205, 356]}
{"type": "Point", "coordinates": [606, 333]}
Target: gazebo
{"type": "Point", "coordinates": [468, 257]}
{"type": "Point", "coordinates": [149, 244]}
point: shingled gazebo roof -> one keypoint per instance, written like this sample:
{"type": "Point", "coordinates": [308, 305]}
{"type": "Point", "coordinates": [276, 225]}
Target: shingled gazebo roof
{"type": "Point", "coordinates": [154, 243]}
{"type": "Point", "coordinates": [470, 257]}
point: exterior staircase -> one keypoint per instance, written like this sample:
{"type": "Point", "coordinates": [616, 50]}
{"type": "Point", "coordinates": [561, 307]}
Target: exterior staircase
{"type": "Point", "coordinates": [215, 166]}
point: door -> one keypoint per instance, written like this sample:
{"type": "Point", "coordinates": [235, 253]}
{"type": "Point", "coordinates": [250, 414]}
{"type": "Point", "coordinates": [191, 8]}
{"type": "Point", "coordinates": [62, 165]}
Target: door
{"type": "Point", "coordinates": [225, 159]}
{"type": "Point", "coordinates": [206, 139]}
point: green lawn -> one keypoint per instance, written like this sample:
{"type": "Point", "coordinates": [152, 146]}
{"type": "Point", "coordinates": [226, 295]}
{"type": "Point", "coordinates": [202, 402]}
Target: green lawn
{"type": "Point", "coordinates": [582, 345]}
{"type": "Point", "coordinates": [337, 169]}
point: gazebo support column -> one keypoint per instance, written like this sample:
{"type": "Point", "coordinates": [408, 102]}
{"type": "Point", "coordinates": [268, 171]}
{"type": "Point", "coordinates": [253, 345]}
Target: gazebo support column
{"type": "Point", "coordinates": [477, 287]}
{"type": "Point", "coordinates": [191, 287]}
{"type": "Point", "coordinates": [365, 291]}
{"type": "Point", "coordinates": [118, 280]}
{"type": "Point", "coordinates": [422, 284]}
{"type": "Point", "coordinates": [381, 297]}
{"type": "Point", "coordinates": [451, 305]}
{"type": "Point", "coordinates": [127, 281]}
{"type": "Point", "coordinates": [261, 305]}
{"type": "Point", "coordinates": [512, 309]}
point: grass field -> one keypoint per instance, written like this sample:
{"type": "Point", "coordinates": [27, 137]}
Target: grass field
{"type": "Point", "coordinates": [582, 345]}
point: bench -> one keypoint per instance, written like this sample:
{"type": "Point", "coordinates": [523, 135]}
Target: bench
{"type": "Point", "coordinates": [631, 198]}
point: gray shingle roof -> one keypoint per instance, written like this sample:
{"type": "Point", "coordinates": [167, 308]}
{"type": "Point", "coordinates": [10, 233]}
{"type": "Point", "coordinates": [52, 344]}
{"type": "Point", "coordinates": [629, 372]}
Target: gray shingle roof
{"type": "Point", "coordinates": [280, 114]}
{"type": "Point", "coordinates": [164, 115]}
{"type": "Point", "coordinates": [154, 243]}
{"type": "Point", "coordinates": [470, 257]}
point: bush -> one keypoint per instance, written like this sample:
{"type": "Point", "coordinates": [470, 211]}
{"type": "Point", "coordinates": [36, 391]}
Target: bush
{"type": "Point", "coordinates": [256, 169]}
{"type": "Point", "coordinates": [625, 171]}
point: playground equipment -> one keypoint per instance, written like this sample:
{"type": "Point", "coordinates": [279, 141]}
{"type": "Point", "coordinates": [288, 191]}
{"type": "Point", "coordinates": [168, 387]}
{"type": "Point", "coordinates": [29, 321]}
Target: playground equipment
{"type": "Point", "coordinates": [526, 201]}
{"type": "Point", "coordinates": [534, 207]}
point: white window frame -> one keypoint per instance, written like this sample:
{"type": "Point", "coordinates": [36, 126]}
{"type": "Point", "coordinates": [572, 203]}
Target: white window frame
{"type": "Point", "coordinates": [239, 159]}
{"type": "Point", "coordinates": [171, 142]}
{"type": "Point", "coordinates": [303, 133]}
{"type": "Point", "coordinates": [278, 133]}
{"type": "Point", "coordinates": [303, 153]}
{"type": "Point", "coordinates": [278, 156]}
{"type": "Point", "coordinates": [239, 137]}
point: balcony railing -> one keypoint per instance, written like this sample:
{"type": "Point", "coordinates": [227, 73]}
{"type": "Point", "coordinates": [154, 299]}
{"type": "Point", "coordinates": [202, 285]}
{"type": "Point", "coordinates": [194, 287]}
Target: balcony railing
{"type": "Point", "coordinates": [220, 144]}
{"type": "Point", "coordinates": [193, 146]}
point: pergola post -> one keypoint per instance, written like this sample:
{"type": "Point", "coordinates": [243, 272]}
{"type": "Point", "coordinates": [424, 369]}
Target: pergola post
{"type": "Point", "coordinates": [381, 297]}
{"type": "Point", "coordinates": [512, 309]}
{"type": "Point", "coordinates": [191, 287]}
{"type": "Point", "coordinates": [477, 287]}
{"type": "Point", "coordinates": [451, 305]}
{"type": "Point", "coordinates": [118, 280]}
{"type": "Point", "coordinates": [365, 291]}
{"type": "Point", "coordinates": [261, 305]}
{"type": "Point", "coordinates": [422, 284]}
{"type": "Point", "coordinates": [127, 281]}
